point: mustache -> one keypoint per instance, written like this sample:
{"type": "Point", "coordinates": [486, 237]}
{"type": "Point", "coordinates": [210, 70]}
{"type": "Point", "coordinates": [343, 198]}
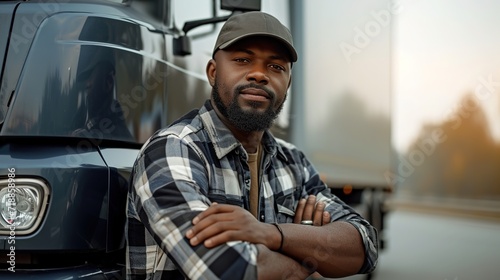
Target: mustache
{"type": "Point", "coordinates": [271, 93]}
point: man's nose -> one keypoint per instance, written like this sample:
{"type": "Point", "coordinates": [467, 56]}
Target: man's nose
{"type": "Point", "coordinates": [258, 73]}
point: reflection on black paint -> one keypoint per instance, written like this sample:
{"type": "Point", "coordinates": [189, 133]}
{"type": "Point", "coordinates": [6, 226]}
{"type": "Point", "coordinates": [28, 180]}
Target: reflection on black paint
{"type": "Point", "coordinates": [88, 77]}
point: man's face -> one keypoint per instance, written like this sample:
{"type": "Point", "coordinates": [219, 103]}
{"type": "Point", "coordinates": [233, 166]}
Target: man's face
{"type": "Point", "coordinates": [249, 82]}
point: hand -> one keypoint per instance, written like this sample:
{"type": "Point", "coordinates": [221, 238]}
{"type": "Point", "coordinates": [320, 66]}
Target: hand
{"type": "Point", "coordinates": [222, 223]}
{"type": "Point", "coordinates": [308, 209]}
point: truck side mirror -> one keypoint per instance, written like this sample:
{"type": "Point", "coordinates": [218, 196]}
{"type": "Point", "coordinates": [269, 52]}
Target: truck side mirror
{"type": "Point", "coordinates": [182, 44]}
{"type": "Point", "coordinates": [242, 5]}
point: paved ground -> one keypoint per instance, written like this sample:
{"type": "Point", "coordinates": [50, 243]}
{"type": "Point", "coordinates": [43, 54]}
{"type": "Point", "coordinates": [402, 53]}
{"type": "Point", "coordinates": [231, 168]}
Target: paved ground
{"type": "Point", "coordinates": [431, 246]}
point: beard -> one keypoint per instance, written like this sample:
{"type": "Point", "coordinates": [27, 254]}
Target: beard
{"type": "Point", "coordinates": [243, 120]}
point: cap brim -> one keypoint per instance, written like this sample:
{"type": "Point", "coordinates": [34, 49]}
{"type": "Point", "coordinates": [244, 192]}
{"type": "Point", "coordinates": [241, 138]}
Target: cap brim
{"type": "Point", "coordinates": [290, 48]}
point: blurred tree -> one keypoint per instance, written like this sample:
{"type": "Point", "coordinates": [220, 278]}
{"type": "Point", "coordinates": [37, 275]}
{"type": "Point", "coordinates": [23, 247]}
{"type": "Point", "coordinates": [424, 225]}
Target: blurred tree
{"type": "Point", "coordinates": [465, 165]}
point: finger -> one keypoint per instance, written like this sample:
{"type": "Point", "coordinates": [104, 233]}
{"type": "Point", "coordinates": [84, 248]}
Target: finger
{"type": "Point", "coordinates": [326, 218]}
{"type": "Point", "coordinates": [221, 238]}
{"type": "Point", "coordinates": [209, 211]}
{"type": "Point", "coordinates": [238, 230]}
{"type": "Point", "coordinates": [309, 208]}
{"type": "Point", "coordinates": [214, 208]}
{"type": "Point", "coordinates": [205, 219]}
{"type": "Point", "coordinates": [318, 214]}
{"type": "Point", "coordinates": [224, 227]}
{"type": "Point", "coordinates": [206, 234]}
{"type": "Point", "coordinates": [299, 211]}
{"type": "Point", "coordinates": [208, 228]}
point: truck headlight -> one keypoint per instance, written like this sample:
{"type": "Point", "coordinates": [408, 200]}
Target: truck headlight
{"type": "Point", "coordinates": [22, 205]}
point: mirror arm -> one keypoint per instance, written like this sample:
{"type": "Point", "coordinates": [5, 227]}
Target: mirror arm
{"type": "Point", "coordinates": [182, 44]}
{"type": "Point", "coordinates": [189, 25]}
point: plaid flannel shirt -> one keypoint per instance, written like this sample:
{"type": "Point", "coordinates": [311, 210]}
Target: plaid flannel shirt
{"type": "Point", "coordinates": [182, 169]}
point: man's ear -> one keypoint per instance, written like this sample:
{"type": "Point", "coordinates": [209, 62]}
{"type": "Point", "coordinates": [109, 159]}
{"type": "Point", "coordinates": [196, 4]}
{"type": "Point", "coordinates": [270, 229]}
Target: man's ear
{"type": "Point", "coordinates": [211, 71]}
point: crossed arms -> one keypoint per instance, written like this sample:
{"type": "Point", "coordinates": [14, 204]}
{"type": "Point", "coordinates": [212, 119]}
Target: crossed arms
{"type": "Point", "coordinates": [333, 249]}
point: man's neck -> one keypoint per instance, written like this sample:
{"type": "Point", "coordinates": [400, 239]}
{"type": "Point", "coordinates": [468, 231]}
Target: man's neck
{"type": "Point", "coordinates": [249, 140]}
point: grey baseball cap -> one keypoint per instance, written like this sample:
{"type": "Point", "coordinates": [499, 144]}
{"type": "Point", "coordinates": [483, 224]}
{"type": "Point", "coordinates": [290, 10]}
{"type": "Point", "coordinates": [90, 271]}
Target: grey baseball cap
{"type": "Point", "coordinates": [243, 25]}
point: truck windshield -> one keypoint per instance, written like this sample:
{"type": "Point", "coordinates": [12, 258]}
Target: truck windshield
{"type": "Point", "coordinates": [91, 77]}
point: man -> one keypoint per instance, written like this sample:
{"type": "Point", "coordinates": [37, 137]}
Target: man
{"type": "Point", "coordinates": [216, 196]}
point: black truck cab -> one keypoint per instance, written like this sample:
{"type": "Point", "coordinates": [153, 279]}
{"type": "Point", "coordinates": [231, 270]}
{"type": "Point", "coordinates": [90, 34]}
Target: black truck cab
{"type": "Point", "coordinates": [82, 85]}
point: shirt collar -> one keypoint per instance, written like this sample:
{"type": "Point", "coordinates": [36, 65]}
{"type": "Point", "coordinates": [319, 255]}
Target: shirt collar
{"type": "Point", "coordinates": [224, 141]}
